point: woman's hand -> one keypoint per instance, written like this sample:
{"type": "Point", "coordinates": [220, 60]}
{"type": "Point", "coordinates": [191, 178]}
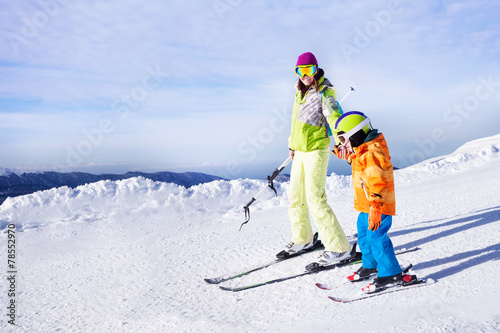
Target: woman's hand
{"type": "Point", "coordinates": [341, 151]}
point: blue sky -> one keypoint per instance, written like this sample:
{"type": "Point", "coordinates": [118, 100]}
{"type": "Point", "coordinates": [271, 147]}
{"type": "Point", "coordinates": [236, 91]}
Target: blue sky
{"type": "Point", "coordinates": [113, 86]}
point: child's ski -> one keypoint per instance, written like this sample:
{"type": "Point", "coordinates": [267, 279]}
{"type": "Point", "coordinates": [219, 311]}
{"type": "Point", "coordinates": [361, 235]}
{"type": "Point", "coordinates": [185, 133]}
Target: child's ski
{"type": "Point", "coordinates": [325, 286]}
{"type": "Point", "coordinates": [416, 283]}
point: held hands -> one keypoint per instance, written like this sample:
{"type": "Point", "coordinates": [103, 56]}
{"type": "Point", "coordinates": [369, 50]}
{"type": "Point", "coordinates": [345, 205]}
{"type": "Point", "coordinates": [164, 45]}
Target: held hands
{"type": "Point", "coordinates": [341, 152]}
{"type": "Point", "coordinates": [375, 216]}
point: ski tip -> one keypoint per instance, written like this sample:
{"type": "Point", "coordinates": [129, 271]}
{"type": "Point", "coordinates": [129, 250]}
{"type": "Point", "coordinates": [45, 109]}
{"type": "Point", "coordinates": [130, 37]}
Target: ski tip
{"type": "Point", "coordinates": [335, 299]}
{"type": "Point", "coordinates": [212, 281]}
{"type": "Point", "coordinates": [322, 286]}
{"type": "Point", "coordinates": [225, 288]}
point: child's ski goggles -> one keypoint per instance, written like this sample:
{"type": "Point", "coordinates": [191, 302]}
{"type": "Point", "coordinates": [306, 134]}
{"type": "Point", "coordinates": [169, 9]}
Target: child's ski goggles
{"type": "Point", "coordinates": [308, 70]}
{"type": "Point", "coordinates": [344, 136]}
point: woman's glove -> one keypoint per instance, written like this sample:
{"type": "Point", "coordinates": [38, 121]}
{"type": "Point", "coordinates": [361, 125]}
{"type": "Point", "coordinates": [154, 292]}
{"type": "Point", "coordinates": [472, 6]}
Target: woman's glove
{"type": "Point", "coordinates": [375, 216]}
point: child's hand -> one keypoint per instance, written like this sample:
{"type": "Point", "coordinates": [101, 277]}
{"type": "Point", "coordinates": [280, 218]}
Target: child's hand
{"type": "Point", "coordinates": [341, 152]}
{"type": "Point", "coordinates": [375, 216]}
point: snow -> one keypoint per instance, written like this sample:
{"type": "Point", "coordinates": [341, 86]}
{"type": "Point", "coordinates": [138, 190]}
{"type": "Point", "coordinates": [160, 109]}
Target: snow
{"type": "Point", "coordinates": [131, 255]}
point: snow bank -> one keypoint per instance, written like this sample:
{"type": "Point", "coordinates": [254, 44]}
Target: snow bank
{"type": "Point", "coordinates": [92, 202]}
{"type": "Point", "coordinates": [469, 156]}
{"type": "Point", "coordinates": [96, 201]}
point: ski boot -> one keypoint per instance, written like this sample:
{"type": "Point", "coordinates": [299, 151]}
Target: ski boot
{"type": "Point", "coordinates": [292, 249]}
{"type": "Point", "coordinates": [362, 274]}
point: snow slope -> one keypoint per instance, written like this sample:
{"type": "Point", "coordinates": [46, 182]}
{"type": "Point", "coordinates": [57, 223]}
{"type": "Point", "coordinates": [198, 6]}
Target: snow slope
{"type": "Point", "coordinates": [131, 255]}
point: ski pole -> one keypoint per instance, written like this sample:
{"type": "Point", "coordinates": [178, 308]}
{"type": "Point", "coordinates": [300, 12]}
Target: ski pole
{"type": "Point", "coordinates": [347, 94]}
{"type": "Point", "coordinates": [350, 91]}
{"type": "Point", "coordinates": [270, 184]}
{"type": "Point", "coordinates": [338, 102]}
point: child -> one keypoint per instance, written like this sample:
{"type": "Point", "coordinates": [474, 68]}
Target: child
{"type": "Point", "coordinates": [373, 181]}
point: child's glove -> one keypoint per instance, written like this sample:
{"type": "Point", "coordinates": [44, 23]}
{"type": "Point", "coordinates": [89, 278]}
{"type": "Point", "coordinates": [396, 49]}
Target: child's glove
{"type": "Point", "coordinates": [375, 216]}
{"type": "Point", "coordinates": [341, 152]}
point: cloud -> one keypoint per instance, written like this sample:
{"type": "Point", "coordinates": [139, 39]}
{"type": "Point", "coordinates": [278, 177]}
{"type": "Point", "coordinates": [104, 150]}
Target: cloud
{"type": "Point", "coordinates": [226, 65]}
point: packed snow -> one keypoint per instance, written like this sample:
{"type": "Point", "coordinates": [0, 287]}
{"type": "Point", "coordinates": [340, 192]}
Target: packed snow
{"type": "Point", "coordinates": [131, 256]}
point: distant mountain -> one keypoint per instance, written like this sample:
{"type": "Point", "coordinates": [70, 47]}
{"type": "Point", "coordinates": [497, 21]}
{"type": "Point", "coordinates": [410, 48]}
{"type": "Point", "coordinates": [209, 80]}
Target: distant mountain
{"type": "Point", "coordinates": [282, 178]}
{"type": "Point", "coordinates": [13, 185]}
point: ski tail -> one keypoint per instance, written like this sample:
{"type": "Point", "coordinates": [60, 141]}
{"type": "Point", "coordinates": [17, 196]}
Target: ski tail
{"type": "Point", "coordinates": [354, 260]}
{"type": "Point", "coordinates": [317, 246]}
{"type": "Point", "coordinates": [223, 278]}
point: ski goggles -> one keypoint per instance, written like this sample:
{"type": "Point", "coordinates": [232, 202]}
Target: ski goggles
{"type": "Point", "coordinates": [344, 137]}
{"type": "Point", "coordinates": [308, 70]}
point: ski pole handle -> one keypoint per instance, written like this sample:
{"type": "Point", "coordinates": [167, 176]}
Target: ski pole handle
{"type": "Point", "coordinates": [270, 180]}
{"type": "Point", "coordinates": [280, 168]}
{"type": "Point", "coordinates": [287, 161]}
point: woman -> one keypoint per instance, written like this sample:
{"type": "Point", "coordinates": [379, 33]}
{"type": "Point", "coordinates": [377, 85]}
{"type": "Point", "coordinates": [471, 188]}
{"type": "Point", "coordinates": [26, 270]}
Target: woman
{"type": "Point", "coordinates": [314, 109]}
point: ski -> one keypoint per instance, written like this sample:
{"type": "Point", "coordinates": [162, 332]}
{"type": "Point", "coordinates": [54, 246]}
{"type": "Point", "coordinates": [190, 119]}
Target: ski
{"type": "Point", "coordinates": [353, 260]}
{"type": "Point", "coordinates": [224, 278]}
{"type": "Point", "coordinates": [227, 277]}
{"type": "Point", "coordinates": [325, 286]}
{"type": "Point", "coordinates": [416, 283]}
